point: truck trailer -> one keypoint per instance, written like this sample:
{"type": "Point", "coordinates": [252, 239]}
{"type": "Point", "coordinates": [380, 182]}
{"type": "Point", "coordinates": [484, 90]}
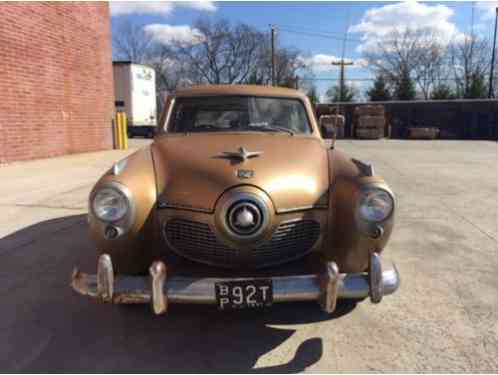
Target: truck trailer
{"type": "Point", "coordinates": [135, 93]}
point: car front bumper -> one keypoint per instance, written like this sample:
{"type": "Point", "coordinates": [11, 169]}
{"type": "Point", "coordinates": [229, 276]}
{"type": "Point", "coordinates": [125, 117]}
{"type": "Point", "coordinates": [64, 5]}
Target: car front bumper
{"type": "Point", "coordinates": [159, 290]}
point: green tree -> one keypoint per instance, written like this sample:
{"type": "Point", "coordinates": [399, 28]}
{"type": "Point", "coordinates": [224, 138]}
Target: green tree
{"type": "Point", "coordinates": [442, 92]}
{"type": "Point", "coordinates": [334, 93]}
{"type": "Point", "coordinates": [404, 88]}
{"type": "Point", "coordinates": [313, 95]}
{"type": "Point", "coordinates": [478, 88]}
{"type": "Point", "coordinates": [379, 91]}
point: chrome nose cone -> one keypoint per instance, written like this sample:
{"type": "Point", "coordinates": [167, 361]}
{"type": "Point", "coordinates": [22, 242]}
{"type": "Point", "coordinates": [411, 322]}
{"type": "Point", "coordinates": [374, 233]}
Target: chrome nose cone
{"type": "Point", "coordinates": [244, 219]}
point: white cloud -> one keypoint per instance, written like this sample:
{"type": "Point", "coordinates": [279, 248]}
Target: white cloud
{"type": "Point", "coordinates": [377, 23]}
{"type": "Point", "coordinates": [166, 63]}
{"type": "Point", "coordinates": [121, 8]}
{"type": "Point", "coordinates": [357, 85]}
{"type": "Point", "coordinates": [168, 34]}
{"type": "Point", "coordinates": [199, 5]}
{"type": "Point", "coordinates": [164, 8]}
{"type": "Point", "coordinates": [323, 63]}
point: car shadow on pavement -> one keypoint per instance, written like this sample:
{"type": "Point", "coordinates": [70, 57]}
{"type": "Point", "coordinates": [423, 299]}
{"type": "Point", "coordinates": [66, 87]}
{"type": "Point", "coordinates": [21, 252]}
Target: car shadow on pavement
{"type": "Point", "coordinates": [46, 327]}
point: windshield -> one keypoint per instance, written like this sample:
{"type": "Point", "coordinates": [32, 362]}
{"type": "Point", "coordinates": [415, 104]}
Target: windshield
{"type": "Point", "coordinates": [235, 113]}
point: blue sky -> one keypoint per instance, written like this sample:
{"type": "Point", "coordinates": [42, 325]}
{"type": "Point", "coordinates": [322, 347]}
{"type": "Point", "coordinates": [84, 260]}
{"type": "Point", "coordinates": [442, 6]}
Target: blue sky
{"type": "Point", "coordinates": [365, 22]}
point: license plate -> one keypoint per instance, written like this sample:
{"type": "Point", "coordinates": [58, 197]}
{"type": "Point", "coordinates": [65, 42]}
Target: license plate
{"type": "Point", "coordinates": [241, 294]}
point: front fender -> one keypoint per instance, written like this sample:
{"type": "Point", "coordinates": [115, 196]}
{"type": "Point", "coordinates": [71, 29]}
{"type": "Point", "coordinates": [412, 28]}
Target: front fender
{"type": "Point", "coordinates": [132, 250]}
{"type": "Point", "coordinates": [347, 241]}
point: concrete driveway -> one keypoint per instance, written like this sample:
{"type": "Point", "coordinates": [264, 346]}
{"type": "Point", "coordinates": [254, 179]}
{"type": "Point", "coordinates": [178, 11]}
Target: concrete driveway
{"type": "Point", "coordinates": [443, 318]}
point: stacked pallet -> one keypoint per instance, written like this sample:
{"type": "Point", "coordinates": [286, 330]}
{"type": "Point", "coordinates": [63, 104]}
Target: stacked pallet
{"type": "Point", "coordinates": [336, 122]}
{"type": "Point", "coordinates": [369, 121]}
{"type": "Point", "coordinates": [423, 133]}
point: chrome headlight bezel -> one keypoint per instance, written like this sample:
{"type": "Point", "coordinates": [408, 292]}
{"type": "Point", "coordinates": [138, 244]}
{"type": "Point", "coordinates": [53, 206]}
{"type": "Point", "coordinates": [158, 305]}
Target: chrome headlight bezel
{"type": "Point", "coordinates": [371, 192]}
{"type": "Point", "coordinates": [125, 219]}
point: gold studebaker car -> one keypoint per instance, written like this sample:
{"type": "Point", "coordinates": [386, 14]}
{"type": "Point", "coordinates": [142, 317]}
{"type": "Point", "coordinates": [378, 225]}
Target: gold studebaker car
{"type": "Point", "coordinates": [240, 201]}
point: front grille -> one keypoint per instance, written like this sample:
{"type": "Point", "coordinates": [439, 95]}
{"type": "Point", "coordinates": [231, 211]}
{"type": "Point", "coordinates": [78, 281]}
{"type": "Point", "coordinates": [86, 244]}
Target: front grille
{"type": "Point", "coordinates": [196, 241]}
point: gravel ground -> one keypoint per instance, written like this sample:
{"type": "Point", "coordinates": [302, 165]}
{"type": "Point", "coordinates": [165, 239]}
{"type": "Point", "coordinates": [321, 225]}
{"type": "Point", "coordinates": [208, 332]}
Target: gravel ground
{"type": "Point", "coordinates": [443, 318]}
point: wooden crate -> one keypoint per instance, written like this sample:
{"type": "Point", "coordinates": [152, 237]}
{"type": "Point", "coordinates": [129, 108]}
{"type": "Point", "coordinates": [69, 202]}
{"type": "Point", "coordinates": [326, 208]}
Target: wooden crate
{"type": "Point", "coordinates": [369, 110]}
{"type": "Point", "coordinates": [423, 133]}
{"type": "Point", "coordinates": [369, 133]}
{"type": "Point", "coordinates": [335, 120]}
{"type": "Point", "coordinates": [369, 122]}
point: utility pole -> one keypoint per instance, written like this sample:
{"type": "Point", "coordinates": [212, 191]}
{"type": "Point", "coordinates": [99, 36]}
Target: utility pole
{"type": "Point", "coordinates": [273, 55]}
{"type": "Point", "coordinates": [491, 93]}
{"type": "Point", "coordinates": [341, 63]}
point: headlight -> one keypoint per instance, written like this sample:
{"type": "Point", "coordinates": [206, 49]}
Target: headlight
{"type": "Point", "coordinates": [110, 204]}
{"type": "Point", "coordinates": [375, 204]}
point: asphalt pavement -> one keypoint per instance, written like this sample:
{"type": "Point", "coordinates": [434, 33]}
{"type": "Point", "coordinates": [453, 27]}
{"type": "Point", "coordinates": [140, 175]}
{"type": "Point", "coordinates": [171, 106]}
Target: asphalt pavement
{"type": "Point", "coordinates": [444, 317]}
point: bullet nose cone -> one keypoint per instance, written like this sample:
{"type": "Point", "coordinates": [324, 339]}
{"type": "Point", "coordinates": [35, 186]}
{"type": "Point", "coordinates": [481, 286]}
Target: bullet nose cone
{"type": "Point", "coordinates": [245, 218]}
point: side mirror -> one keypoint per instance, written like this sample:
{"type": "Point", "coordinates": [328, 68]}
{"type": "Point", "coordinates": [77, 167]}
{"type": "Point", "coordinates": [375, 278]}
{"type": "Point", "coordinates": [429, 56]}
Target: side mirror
{"type": "Point", "coordinates": [328, 127]}
{"type": "Point", "coordinates": [328, 131]}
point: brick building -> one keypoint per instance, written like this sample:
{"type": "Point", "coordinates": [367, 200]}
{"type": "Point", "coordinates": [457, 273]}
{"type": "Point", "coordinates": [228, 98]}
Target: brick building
{"type": "Point", "coordinates": [56, 88]}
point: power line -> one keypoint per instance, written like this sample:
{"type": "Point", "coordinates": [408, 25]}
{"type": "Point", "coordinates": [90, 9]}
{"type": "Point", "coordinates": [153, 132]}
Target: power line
{"type": "Point", "coordinates": [315, 34]}
{"type": "Point", "coordinates": [299, 27]}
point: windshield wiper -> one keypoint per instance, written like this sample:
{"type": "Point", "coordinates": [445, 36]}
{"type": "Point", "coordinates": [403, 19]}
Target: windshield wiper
{"type": "Point", "coordinates": [272, 128]}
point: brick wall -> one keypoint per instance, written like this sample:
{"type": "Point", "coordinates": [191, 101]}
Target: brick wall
{"type": "Point", "coordinates": [56, 89]}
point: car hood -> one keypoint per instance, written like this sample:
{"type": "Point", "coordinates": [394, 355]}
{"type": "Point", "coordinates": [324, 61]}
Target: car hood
{"type": "Point", "coordinates": [192, 172]}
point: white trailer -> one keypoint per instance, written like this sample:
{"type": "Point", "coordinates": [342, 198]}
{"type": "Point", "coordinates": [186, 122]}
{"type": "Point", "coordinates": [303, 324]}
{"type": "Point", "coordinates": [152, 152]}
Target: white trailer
{"type": "Point", "coordinates": [135, 93]}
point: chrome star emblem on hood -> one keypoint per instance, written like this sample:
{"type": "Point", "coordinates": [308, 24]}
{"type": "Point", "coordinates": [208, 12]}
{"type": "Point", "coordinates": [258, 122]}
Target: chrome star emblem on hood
{"type": "Point", "coordinates": [242, 154]}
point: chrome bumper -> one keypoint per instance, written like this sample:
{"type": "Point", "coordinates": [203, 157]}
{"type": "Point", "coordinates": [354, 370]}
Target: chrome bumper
{"type": "Point", "coordinates": [159, 290]}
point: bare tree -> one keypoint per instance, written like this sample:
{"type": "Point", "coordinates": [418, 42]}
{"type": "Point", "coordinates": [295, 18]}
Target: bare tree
{"type": "Point", "coordinates": [221, 54]}
{"type": "Point", "coordinates": [288, 66]}
{"type": "Point", "coordinates": [471, 61]}
{"type": "Point", "coordinates": [418, 52]}
{"type": "Point", "coordinates": [237, 54]}
{"type": "Point", "coordinates": [171, 73]}
{"type": "Point", "coordinates": [397, 52]}
{"type": "Point", "coordinates": [130, 42]}
{"type": "Point", "coordinates": [432, 62]}
{"type": "Point", "coordinates": [226, 54]}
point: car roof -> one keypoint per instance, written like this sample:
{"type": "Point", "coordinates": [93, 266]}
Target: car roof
{"type": "Point", "coordinates": [249, 90]}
